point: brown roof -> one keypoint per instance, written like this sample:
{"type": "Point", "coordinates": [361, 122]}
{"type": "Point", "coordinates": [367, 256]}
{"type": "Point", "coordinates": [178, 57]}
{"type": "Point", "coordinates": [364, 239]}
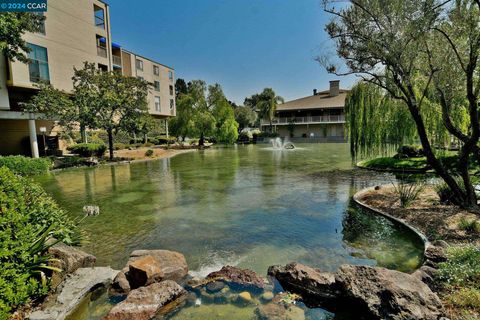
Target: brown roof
{"type": "Point", "coordinates": [322, 100]}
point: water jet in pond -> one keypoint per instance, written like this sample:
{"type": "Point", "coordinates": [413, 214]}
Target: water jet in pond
{"type": "Point", "coordinates": [278, 144]}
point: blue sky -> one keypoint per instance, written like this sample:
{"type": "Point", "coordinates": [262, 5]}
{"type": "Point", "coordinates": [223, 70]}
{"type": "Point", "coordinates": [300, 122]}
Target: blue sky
{"type": "Point", "coordinates": [245, 45]}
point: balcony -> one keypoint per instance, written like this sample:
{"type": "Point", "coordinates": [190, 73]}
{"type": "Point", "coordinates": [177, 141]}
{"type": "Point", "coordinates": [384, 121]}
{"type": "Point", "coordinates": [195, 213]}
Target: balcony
{"type": "Point", "coordinates": [102, 51]}
{"type": "Point", "coordinates": [117, 60]}
{"type": "Point", "coordinates": [306, 120]}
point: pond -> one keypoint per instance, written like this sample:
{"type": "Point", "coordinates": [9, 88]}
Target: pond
{"type": "Point", "coordinates": [248, 206]}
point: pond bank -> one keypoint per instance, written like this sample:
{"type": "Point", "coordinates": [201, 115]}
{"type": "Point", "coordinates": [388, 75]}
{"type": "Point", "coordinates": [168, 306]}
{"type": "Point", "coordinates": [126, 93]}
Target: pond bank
{"type": "Point", "coordinates": [446, 226]}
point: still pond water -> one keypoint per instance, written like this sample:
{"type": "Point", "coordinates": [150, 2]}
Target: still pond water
{"type": "Point", "coordinates": [249, 206]}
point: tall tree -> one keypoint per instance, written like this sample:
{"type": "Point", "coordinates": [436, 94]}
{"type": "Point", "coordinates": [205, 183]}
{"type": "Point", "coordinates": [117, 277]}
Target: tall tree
{"type": "Point", "coordinates": [389, 44]}
{"type": "Point", "coordinates": [13, 26]}
{"type": "Point", "coordinates": [267, 105]}
{"type": "Point", "coordinates": [245, 117]}
{"type": "Point", "coordinates": [180, 87]}
{"type": "Point", "coordinates": [226, 128]}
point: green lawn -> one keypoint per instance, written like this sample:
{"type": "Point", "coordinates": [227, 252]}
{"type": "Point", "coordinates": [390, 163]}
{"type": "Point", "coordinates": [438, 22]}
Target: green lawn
{"type": "Point", "coordinates": [409, 164]}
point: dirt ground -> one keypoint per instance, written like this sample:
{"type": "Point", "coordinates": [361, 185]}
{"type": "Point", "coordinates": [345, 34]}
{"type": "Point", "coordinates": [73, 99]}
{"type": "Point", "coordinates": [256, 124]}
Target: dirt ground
{"type": "Point", "coordinates": [139, 154]}
{"type": "Point", "coordinates": [427, 214]}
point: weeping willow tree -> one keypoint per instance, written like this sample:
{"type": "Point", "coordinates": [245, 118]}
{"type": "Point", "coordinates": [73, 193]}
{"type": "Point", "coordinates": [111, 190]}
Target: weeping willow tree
{"type": "Point", "coordinates": [377, 124]}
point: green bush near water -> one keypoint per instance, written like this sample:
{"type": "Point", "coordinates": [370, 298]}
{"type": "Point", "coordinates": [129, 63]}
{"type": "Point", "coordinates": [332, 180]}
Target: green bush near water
{"type": "Point", "coordinates": [88, 149]}
{"type": "Point", "coordinates": [26, 166]}
{"type": "Point", "coordinates": [28, 217]}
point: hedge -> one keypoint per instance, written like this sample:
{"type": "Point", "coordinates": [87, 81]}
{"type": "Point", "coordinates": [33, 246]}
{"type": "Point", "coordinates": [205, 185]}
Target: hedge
{"type": "Point", "coordinates": [28, 217]}
{"type": "Point", "coordinates": [26, 166]}
{"type": "Point", "coordinates": [88, 149]}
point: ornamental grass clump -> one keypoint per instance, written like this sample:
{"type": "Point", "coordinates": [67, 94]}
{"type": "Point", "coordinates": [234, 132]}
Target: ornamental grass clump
{"type": "Point", "coordinates": [28, 219]}
{"type": "Point", "coordinates": [408, 192]}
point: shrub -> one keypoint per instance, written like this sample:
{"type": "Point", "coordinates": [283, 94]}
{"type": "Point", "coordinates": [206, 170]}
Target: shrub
{"type": "Point", "coordinates": [26, 166]}
{"type": "Point", "coordinates": [466, 298]}
{"type": "Point", "coordinates": [28, 217]}
{"type": "Point", "coordinates": [462, 267]}
{"type": "Point", "coordinates": [408, 192]}
{"type": "Point", "coordinates": [409, 151]}
{"type": "Point", "coordinates": [470, 226]}
{"type": "Point", "coordinates": [88, 149]}
{"type": "Point", "coordinates": [119, 146]}
{"type": "Point", "coordinates": [149, 153]}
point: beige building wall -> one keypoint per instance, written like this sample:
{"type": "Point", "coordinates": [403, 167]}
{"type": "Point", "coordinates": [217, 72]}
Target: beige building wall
{"type": "Point", "coordinates": [4, 103]}
{"type": "Point", "coordinates": [166, 78]}
{"type": "Point", "coordinates": [70, 38]}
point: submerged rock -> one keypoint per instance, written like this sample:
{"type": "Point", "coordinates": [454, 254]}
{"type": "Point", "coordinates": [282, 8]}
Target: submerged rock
{"type": "Point", "coordinates": [241, 277]}
{"type": "Point", "coordinates": [279, 311]}
{"type": "Point", "coordinates": [215, 286]}
{"type": "Point", "coordinates": [380, 293]}
{"type": "Point", "coordinates": [149, 266]}
{"type": "Point", "coordinates": [145, 302]}
{"type": "Point", "coordinates": [245, 296]}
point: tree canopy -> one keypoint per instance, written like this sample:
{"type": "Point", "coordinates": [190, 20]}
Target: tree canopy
{"type": "Point", "coordinates": [425, 55]}
{"type": "Point", "coordinates": [13, 26]}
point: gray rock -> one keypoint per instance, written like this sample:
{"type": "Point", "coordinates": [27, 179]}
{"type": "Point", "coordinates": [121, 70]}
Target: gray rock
{"type": "Point", "coordinates": [279, 311]}
{"type": "Point", "coordinates": [385, 294]}
{"type": "Point", "coordinates": [68, 259]}
{"type": "Point", "coordinates": [434, 255]}
{"type": "Point", "coordinates": [146, 302]}
{"type": "Point", "coordinates": [315, 286]}
{"type": "Point", "coordinates": [426, 274]}
{"type": "Point", "coordinates": [75, 288]}
{"type": "Point", "coordinates": [215, 286]}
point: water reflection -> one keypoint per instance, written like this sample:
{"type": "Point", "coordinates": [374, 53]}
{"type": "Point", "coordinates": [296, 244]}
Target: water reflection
{"type": "Point", "coordinates": [246, 206]}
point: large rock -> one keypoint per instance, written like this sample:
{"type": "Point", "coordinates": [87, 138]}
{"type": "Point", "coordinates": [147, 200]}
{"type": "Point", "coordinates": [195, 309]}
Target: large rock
{"type": "Point", "coordinates": [380, 293]}
{"type": "Point", "coordinates": [435, 255]}
{"type": "Point", "coordinates": [156, 265]}
{"type": "Point", "coordinates": [144, 271]}
{"type": "Point", "coordinates": [72, 292]}
{"type": "Point", "coordinates": [242, 277]}
{"type": "Point", "coordinates": [68, 259]}
{"type": "Point", "coordinates": [316, 287]}
{"type": "Point", "coordinates": [145, 302]}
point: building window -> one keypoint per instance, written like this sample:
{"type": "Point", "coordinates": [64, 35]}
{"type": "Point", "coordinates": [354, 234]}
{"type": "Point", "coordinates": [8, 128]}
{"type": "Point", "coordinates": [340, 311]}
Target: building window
{"type": "Point", "coordinates": [157, 103]}
{"type": "Point", "coordinates": [101, 46]}
{"type": "Point", "coordinates": [38, 65]}
{"type": "Point", "coordinates": [156, 70]}
{"type": "Point", "coordinates": [139, 64]}
{"type": "Point", "coordinates": [172, 104]}
{"type": "Point", "coordinates": [171, 90]}
{"type": "Point", "coordinates": [41, 27]}
{"type": "Point", "coordinates": [99, 14]}
{"type": "Point", "coordinates": [156, 85]}
{"type": "Point", "coordinates": [170, 75]}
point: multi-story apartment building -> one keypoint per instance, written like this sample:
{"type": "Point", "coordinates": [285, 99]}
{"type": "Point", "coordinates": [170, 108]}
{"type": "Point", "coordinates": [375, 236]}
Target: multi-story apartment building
{"type": "Point", "coordinates": [74, 31]}
{"type": "Point", "coordinates": [319, 117]}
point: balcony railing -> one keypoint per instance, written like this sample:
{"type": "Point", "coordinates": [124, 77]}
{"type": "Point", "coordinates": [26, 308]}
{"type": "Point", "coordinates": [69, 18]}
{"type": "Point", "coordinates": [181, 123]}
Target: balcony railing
{"type": "Point", "coordinates": [305, 120]}
{"type": "Point", "coordinates": [117, 60]}
{"type": "Point", "coordinates": [102, 51]}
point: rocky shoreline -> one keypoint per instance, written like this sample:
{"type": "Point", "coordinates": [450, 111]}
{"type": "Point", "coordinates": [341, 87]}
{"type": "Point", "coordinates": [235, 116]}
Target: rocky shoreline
{"type": "Point", "coordinates": [156, 282]}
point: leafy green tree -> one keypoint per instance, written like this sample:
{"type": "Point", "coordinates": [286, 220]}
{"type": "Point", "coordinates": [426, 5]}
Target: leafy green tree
{"type": "Point", "coordinates": [13, 26]}
{"type": "Point", "coordinates": [226, 128]}
{"type": "Point", "coordinates": [180, 87]}
{"type": "Point", "coordinates": [53, 104]}
{"type": "Point", "coordinates": [245, 117]}
{"type": "Point", "coordinates": [414, 50]}
{"type": "Point", "coordinates": [183, 124]}
{"type": "Point", "coordinates": [267, 105]}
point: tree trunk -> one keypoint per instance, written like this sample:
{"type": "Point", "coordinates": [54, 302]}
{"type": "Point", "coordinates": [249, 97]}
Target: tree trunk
{"type": "Point", "coordinates": [110, 143]}
{"type": "Point", "coordinates": [83, 133]}
{"type": "Point", "coordinates": [134, 138]}
{"type": "Point", "coordinates": [201, 142]}
{"type": "Point", "coordinates": [458, 193]}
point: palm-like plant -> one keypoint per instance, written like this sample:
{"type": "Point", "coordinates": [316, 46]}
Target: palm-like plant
{"type": "Point", "coordinates": [268, 105]}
